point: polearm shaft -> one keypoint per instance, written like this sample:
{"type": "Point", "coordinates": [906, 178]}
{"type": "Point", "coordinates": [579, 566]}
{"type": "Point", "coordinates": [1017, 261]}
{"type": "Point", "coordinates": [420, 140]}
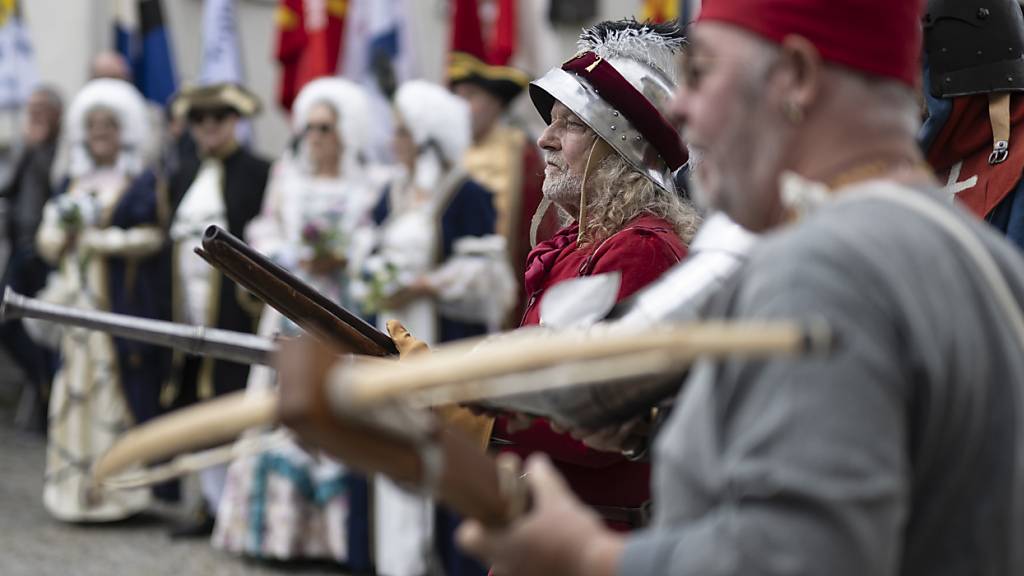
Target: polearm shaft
{"type": "Point", "coordinates": [199, 340]}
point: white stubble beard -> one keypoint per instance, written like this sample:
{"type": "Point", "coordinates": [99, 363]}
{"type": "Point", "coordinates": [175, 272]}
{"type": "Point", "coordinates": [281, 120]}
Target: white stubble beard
{"type": "Point", "coordinates": [562, 187]}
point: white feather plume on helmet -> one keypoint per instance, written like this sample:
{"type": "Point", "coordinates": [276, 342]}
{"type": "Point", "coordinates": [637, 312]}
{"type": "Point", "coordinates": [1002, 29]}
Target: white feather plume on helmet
{"type": "Point", "coordinates": [656, 46]}
{"type": "Point", "coordinates": [128, 106]}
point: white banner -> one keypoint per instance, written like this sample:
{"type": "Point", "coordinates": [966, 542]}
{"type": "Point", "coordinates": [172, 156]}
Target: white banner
{"type": "Point", "coordinates": [18, 76]}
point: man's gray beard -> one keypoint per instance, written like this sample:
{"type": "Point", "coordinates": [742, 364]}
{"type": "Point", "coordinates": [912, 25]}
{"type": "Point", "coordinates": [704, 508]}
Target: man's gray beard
{"type": "Point", "coordinates": [563, 189]}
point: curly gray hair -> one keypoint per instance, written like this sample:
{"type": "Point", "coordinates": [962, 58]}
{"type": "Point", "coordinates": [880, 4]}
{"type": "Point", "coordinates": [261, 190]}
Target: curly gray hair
{"type": "Point", "coordinates": [617, 194]}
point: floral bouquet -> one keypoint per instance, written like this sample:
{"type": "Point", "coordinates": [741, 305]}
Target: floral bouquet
{"type": "Point", "coordinates": [76, 213]}
{"type": "Point", "coordinates": [382, 278]}
{"type": "Point", "coordinates": [324, 237]}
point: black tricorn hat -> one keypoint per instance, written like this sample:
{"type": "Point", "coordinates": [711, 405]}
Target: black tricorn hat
{"type": "Point", "coordinates": [504, 82]}
{"type": "Point", "coordinates": [223, 95]}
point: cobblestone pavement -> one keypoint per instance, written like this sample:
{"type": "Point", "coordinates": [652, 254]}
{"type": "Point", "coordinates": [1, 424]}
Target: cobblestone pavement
{"type": "Point", "coordinates": [33, 544]}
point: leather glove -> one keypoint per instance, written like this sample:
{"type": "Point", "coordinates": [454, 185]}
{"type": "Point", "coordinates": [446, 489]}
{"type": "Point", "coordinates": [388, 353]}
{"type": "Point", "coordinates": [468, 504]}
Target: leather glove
{"type": "Point", "coordinates": [476, 426]}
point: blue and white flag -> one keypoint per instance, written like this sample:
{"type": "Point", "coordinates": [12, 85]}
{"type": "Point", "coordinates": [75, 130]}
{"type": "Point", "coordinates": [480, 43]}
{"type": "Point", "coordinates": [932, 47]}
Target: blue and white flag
{"type": "Point", "coordinates": [222, 60]}
{"type": "Point", "coordinates": [141, 37]}
{"type": "Point", "coordinates": [222, 57]}
{"type": "Point", "coordinates": [379, 55]}
{"type": "Point", "coordinates": [18, 76]}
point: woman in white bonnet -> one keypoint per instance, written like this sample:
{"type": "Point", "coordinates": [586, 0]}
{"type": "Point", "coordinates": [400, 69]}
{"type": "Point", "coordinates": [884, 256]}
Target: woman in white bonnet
{"type": "Point", "coordinates": [435, 266]}
{"type": "Point", "coordinates": [440, 269]}
{"type": "Point", "coordinates": [319, 195]}
{"type": "Point", "coordinates": [99, 234]}
{"type": "Point", "coordinates": [287, 503]}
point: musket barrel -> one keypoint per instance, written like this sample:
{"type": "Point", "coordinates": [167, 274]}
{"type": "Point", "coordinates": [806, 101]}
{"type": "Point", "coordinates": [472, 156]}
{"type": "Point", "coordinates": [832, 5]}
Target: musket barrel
{"type": "Point", "coordinates": [199, 340]}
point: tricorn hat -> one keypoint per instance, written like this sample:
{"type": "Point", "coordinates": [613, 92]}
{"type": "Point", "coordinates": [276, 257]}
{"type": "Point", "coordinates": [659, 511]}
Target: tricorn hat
{"type": "Point", "coordinates": [505, 82]}
{"type": "Point", "coordinates": [223, 95]}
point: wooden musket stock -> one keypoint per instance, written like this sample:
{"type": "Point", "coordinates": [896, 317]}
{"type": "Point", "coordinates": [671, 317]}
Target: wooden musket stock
{"type": "Point", "coordinates": [293, 298]}
{"type": "Point", "coordinates": [467, 479]}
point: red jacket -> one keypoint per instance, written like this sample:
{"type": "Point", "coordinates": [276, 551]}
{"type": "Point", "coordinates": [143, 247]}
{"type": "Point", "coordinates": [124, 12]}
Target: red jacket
{"type": "Point", "coordinates": [643, 250]}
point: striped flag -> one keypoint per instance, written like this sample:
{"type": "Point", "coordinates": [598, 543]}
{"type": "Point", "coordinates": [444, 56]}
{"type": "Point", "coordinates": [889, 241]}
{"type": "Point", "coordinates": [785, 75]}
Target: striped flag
{"type": "Point", "coordinates": [222, 57]}
{"type": "Point", "coordinates": [18, 75]}
{"type": "Point", "coordinates": [222, 61]}
{"type": "Point", "coordinates": [309, 43]}
{"type": "Point", "coordinates": [490, 39]}
{"type": "Point", "coordinates": [378, 54]}
{"type": "Point", "coordinates": [141, 37]}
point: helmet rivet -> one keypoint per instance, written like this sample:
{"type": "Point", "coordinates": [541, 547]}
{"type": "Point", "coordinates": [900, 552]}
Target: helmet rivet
{"type": "Point", "coordinates": [979, 53]}
{"type": "Point", "coordinates": [615, 113]}
{"type": "Point", "coordinates": [948, 79]}
{"type": "Point", "coordinates": [982, 13]}
{"type": "Point", "coordinates": [623, 137]}
{"type": "Point", "coordinates": [943, 49]}
{"type": "Point", "coordinates": [1009, 78]}
{"type": "Point", "coordinates": [613, 126]}
{"type": "Point", "coordinates": [637, 138]}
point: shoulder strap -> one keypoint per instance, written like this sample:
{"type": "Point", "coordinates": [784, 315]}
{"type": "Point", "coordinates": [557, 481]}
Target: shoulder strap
{"type": "Point", "coordinates": [967, 240]}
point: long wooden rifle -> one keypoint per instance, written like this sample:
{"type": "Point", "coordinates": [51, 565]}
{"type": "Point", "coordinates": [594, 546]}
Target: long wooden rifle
{"type": "Point", "coordinates": [293, 298]}
{"type": "Point", "coordinates": [371, 417]}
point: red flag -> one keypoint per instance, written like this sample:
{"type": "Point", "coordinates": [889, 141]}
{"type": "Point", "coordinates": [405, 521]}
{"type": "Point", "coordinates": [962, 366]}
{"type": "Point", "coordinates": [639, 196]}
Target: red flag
{"type": "Point", "coordinates": [309, 42]}
{"type": "Point", "coordinates": [493, 41]}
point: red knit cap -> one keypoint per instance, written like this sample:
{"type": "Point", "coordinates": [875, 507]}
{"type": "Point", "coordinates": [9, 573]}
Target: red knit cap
{"type": "Point", "coordinates": [878, 37]}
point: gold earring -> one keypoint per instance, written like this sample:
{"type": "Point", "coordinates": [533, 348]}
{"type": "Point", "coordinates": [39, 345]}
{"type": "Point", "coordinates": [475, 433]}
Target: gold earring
{"type": "Point", "coordinates": [794, 113]}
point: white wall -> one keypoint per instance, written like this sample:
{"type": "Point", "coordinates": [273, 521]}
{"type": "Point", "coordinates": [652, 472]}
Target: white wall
{"type": "Point", "coordinates": [67, 33]}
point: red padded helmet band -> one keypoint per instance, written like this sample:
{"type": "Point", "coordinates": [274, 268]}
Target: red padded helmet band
{"type": "Point", "coordinates": [617, 91]}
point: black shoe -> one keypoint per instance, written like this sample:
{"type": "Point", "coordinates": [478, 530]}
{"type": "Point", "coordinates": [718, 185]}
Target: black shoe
{"type": "Point", "coordinates": [200, 525]}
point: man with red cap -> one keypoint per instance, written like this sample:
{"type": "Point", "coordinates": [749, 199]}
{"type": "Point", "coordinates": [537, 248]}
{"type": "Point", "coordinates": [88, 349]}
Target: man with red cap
{"type": "Point", "coordinates": [902, 452]}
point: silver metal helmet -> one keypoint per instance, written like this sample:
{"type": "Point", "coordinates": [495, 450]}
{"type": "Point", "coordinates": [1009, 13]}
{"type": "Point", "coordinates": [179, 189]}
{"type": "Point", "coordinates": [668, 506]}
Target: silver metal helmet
{"type": "Point", "coordinates": [620, 84]}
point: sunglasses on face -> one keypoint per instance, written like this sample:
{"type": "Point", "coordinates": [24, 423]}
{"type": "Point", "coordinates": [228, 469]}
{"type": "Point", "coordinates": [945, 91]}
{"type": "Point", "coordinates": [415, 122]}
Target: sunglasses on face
{"type": "Point", "coordinates": [101, 124]}
{"type": "Point", "coordinates": [199, 115]}
{"type": "Point", "coordinates": [322, 128]}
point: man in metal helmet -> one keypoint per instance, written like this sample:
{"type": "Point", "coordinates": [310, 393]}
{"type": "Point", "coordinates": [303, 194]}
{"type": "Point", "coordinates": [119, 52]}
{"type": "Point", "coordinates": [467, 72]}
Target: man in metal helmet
{"type": "Point", "coordinates": [974, 134]}
{"type": "Point", "coordinates": [610, 154]}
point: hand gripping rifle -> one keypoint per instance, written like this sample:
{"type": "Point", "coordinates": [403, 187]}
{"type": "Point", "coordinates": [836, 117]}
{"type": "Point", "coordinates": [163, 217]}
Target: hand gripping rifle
{"type": "Point", "coordinates": [296, 300]}
{"type": "Point", "coordinates": [370, 414]}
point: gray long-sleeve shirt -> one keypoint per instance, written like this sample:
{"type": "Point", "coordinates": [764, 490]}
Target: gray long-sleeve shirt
{"type": "Point", "coordinates": [902, 453]}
